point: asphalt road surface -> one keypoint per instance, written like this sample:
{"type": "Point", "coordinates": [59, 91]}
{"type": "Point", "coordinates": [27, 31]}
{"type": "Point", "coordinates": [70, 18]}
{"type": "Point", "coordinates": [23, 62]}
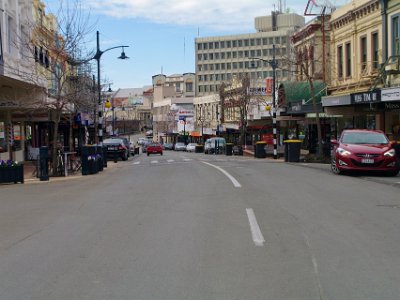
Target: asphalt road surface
{"type": "Point", "coordinates": [195, 226]}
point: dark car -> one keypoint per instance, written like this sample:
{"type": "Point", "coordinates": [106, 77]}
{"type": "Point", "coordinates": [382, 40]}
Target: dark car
{"type": "Point", "coordinates": [116, 148]}
{"type": "Point", "coordinates": [154, 148]}
{"type": "Point", "coordinates": [364, 150]}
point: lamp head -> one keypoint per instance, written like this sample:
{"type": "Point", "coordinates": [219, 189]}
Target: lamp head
{"type": "Point", "coordinates": [123, 55]}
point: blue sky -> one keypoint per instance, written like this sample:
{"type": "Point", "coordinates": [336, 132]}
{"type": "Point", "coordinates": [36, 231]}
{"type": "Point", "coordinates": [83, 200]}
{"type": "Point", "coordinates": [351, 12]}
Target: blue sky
{"type": "Point", "coordinates": [161, 33]}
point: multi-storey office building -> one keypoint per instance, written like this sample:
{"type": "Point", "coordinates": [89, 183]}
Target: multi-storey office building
{"type": "Point", "coordinates": [173, 105]}
{"type": "Point", "coordinates": [219, 59]}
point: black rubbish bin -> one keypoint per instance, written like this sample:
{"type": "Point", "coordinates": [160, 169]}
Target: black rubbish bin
{"type": "Point", "coordinates": [260, 150]}
{"type": "Point", "coordinates": [137, 150]}
{"type": "Point", "coordinates": [99, 157]}
{"type": "Point", "coordinates": [292, 150]}
{"type": "Point", "coordinates": [199, 149]}
{"type": "Point", "coordinates": [229, 149]}
{"type": "Point", "coordinates": [85, 160]}
{"type": "Point", "coordinates": [44, 163]}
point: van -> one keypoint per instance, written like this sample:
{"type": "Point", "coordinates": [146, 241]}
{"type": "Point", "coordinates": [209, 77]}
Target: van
{"type": "Point", "coordinates": [210, 144]}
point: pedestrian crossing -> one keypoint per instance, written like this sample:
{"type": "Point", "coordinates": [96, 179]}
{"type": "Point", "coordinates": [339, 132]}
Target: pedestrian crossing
{"type": "Point", "coordinates": [161, 161]}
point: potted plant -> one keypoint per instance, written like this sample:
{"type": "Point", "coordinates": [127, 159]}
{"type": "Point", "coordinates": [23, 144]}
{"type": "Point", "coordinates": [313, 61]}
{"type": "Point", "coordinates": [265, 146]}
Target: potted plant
{"type": "Point", "coordinates": [11, 171]}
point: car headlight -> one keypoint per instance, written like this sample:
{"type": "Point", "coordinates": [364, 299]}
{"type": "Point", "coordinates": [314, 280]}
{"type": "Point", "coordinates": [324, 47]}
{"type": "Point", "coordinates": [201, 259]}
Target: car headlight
{"type": "Point", "coordinates": [343, 152]}
{"type": "Point", "coordinates": [390, 153]}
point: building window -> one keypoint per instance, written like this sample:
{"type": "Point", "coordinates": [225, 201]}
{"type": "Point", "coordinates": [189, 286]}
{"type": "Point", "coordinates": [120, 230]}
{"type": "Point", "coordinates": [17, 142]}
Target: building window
{"type": "Point", "coordinates": [340, 61]}
{"type": "Point", "coordinates": [228, 44]}
{"type": "Point", "coordinates": [216, 45]}
{"type": "Point", "coordinates": [348, 60]}
{"type": "Point", "coordinates": [375, 50]}
{"type": "Point", "coordinates": [189, 86]}
{"type": "Point", "coordinates": [210, 45]}
{"type": "Point", "coordinates": [240, 43]}
{"type": "Point", "coordinates": [205, 46]}
{"type": "Point", "coordinates": [234, 44]}
{"type": "Point", "coordinates": [363, 49]}
{"type": "Point", "coordinates": [199, 46]}
{"type": "Point", "coordinates": [396, 35]}
{"type": "Point", "coordinates": [223, 44]}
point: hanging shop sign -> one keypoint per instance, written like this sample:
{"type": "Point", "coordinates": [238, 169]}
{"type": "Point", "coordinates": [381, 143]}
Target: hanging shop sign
{"type": "Point", "coordinates": [366, 97]}
{"type": "Point", "coordinates": [390, 94]}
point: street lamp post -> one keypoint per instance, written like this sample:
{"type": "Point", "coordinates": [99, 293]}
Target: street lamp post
{"type": "Point", "coordinates": [97, 57]}
{"type": "Point", "coordinates": [274, 65]}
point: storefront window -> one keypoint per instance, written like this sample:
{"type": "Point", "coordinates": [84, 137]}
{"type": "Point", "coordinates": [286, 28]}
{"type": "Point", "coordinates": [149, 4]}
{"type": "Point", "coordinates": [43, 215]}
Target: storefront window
{"type": "Point", "coordinates": [3, 141]}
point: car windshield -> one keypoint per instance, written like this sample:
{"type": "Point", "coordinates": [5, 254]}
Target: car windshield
{"type": "Point", "coordinates": [364, 138]}
{"type": "Point", "coordinates": [112, 141]}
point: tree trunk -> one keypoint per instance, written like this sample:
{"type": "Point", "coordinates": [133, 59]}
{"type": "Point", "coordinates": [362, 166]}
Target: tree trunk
{"type": "Point", "coordinates": [55, 142]}
{"type": "Point", "coordinates": [319, 131]}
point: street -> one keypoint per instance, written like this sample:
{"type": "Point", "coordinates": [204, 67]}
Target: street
{"type": "Point", "coordinates": [195, 226]}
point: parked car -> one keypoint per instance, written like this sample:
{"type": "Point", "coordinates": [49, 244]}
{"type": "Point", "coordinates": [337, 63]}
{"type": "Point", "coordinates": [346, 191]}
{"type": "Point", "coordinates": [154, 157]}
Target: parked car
{"type": "Point", "coordinates": [180, 147]}
{"type": "Point", "coordinates": [168, 146]}
{"type": "Point", "coordinates": [116, 147]}
{"type": "Point", "coordinates": [154, 148]}
{"type": "Point", "coordinates": [191, 147]}
{"type": "Point", "coordinates": [132, 148]}
{"type": "Point", "coordinates": [127, 144]}
{"type": "Point", "coordinates": [209, 146]}
{"type": "Point", "coordinates": [141, 141]}
{"type": "Point", "coordinates": [144, 146]}
{"type": "Point", "coordinates": [364, 150]}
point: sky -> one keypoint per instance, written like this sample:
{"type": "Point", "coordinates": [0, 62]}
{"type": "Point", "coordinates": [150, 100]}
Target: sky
{"type": "Point", "coordinates": [161, 33]}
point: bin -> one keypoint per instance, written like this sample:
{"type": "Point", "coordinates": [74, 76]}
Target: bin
{"type": "Point", "coordinates": [292, 150]}
{"type": "Point", "coordinates": [229, 149]}
{"type": "Point", "coordinates": [137, 150]}
{"type": "Point", "coordinates": [260, 150]}
{"type": "Point", "coordinates": [199, 149]}
{"type": "Point", "coordinates": [85, 160]}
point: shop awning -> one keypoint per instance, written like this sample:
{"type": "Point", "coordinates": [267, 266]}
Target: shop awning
{"type": "Point", "coordinates": [292, 91]}
{"type": "Point", "coordinates": [195, 134]}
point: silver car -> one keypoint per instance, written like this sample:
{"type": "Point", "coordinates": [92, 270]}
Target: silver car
{"type": "Point", "coordinates": [180, 147]}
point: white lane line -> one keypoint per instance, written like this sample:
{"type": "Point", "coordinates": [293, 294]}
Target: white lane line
{"type": "Point", "coordinates": [136, 163]}
{"type": "Point", "coordinates": [154, 162]}
{"type": "Point", "coordinates": [234, 181]}
{"type": "Point", "coordinates": [187, 159]}
{"type": "Point", "coordinates": [256, 234]}
{"type": "Point", "coordinates": [170, 160]}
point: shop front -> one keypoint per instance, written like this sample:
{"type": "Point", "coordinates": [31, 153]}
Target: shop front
{"type": "Point", "coordinates": [378, 109]}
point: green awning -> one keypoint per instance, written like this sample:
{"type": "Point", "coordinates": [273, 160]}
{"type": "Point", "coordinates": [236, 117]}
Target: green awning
{"type": "Point", "coordinates": [293, 91]}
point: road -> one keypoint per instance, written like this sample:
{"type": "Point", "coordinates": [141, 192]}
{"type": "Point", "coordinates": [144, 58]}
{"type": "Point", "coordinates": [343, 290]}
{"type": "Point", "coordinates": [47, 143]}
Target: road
{"type": "Point", "coordinates": [195, 226]}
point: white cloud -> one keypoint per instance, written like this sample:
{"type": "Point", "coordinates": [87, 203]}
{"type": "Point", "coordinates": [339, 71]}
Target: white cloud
{"type": "Point", "coordinates": [221, 15]}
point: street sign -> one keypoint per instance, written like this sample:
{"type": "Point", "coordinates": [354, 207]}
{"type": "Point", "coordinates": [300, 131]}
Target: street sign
{"type": "Point", "coordinates": [182, 118]}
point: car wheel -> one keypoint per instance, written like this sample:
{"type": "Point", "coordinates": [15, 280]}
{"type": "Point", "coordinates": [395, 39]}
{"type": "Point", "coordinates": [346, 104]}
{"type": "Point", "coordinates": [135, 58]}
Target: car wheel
{"type": "Point", "coordinates": [161, 153]}
{"type": "Point", "coordinates": [334, 168]}
{"type": "Point", "coordinates": [393, 173]}
{"type": "Point", "coordinates": [124, 157]}
{"type": "Point", "coordinates": [148, 154]}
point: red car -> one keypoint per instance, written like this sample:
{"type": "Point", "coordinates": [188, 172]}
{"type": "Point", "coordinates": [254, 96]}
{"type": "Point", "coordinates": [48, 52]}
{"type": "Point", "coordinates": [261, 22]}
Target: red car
{"type": "Point", "coordinates": [154, 148]}
{"type": "Point", "coordinates": [364, 150]}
